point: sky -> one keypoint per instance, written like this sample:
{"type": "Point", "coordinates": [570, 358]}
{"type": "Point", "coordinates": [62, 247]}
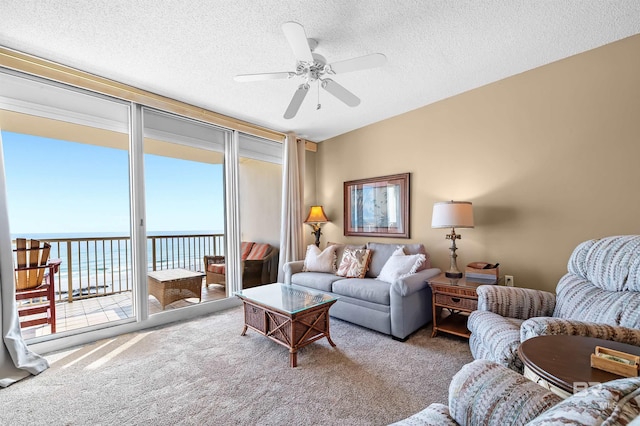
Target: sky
{"type": "Point", "coordinates": [62, 187]}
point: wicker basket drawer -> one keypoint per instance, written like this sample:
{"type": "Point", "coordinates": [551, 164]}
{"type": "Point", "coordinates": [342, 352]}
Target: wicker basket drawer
{"type": "Point", "coordinates": [449, 289]}
{"type": "Point", "coordinates": [456, 302]}
{"type": "Point", "coordinates": [254, 317]}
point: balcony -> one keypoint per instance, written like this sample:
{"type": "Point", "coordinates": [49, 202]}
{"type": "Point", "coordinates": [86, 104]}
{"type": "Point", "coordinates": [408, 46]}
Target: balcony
{"type": "Point", "coordinates": [94, 284]}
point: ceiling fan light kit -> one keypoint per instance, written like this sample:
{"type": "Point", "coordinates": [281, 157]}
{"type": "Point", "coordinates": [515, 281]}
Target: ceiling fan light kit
{"type": "Point", "coordinates": [313, 68]}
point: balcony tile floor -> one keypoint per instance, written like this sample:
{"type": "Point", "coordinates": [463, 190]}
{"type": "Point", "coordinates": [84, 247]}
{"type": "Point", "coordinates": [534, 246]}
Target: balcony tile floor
{"type": "Point", "coordinates": [99, 310]}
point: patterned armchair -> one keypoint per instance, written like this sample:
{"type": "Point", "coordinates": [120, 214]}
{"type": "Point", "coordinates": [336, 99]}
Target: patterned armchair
{"type": "Point", "coordinates": [489, 394]}
{"type": "Point", "coordinates": [598, 297]}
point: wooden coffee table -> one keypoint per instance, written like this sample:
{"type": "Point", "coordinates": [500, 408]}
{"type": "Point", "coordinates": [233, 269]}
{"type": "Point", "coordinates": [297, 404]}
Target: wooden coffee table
{"type": "Point", "coordinates": [290, 315]}
{"type": "Point", "coordinates": [560, 363]}
{"type": "Point", "coordinates": [170, 285]}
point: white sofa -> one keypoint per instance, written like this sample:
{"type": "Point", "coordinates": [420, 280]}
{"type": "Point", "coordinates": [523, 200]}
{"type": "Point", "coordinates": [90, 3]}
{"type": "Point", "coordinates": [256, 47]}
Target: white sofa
{"type": "Point", "coordinates": [396, 308]}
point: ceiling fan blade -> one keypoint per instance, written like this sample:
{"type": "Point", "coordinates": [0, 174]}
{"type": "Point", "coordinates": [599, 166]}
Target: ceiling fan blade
{"type": "Point", "coordinates": [297, 38]}
{"type": "Point", "coordinates": [296, 101]}
{"type": "Point", "coordinates": [264, 76]}
{"type": "Point", "coordinates": [340, 92]}
{"type": "Point", "coordinates": [360, 63]}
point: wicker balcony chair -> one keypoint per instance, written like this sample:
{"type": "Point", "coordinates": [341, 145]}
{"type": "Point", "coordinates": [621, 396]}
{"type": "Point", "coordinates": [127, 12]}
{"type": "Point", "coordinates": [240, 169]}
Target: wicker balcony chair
{"type": "Point", "coordinates": [34, 278]}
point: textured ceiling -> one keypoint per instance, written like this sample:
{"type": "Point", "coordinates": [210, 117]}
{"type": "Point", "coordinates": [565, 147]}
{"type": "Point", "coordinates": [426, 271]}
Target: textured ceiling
{"type": "Point", "coordinates": [191, 50]}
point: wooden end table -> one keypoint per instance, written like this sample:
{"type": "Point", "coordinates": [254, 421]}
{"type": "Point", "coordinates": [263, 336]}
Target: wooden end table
{"type": "Point", "coordinates": [562, 363]}
{"type": "Point", "coordinates": [290, 315]}
{"type": "Point", "coordinates": [459, 297]}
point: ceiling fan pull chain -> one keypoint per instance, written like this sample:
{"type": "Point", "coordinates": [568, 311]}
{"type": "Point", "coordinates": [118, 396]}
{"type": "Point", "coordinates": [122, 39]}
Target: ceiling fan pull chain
{"type": "Point", "coordinates": [319, 105]}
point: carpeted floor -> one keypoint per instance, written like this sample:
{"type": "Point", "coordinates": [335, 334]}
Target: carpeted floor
{"type": "Point", "coordinates": [202, 372]}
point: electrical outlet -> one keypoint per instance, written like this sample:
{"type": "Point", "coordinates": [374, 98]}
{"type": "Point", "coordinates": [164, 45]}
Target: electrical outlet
{"type": "Point", "coordinates": [508, 280]}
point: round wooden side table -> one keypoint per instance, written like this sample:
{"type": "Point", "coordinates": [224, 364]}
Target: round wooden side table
{"type": "Point", "coordinates": [561, 363]}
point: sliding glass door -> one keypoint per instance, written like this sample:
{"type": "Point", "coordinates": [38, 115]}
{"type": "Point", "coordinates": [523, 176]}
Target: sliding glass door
{"type": "Point", "coordinates": [185, 199]}
{"type": "Point", "coordinates": [145, 209]}
{"type": "Point", "coordinates": [66, 158]}
{"type": "Point", "coordinates": [260, 202]}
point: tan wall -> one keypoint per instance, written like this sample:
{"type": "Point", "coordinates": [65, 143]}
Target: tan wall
{"type": "Point", "coordinates": [549, 158]}
{"type": "Point", "coordinates": [260, 201]}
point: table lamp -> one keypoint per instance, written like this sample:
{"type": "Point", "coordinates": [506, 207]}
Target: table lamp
{"type": "Point", "coordinates": [315, 218]}
{"type": "Point", "coordinates": [452, 214]}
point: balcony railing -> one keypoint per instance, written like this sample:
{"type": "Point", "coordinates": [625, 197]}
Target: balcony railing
{"type": "Point", "coordinates": [102, 266]}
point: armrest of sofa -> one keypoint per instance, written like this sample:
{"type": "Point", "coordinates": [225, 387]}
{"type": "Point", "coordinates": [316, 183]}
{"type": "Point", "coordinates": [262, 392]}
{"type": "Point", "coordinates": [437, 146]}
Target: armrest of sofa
{"type": "Point", "coordinates": [514, 302]}
{"type": "Point", "coordinates": [410, 284]}
{"type": "Point", "coordinates": [435, 414]}
{"type": "Point", "coordinates": [545, 325]}
{"type": "Point", "coordinates": [486, 393]}
{"type": "Point", "coordinates": [614, 402]}
{"type": "Point", "coordinates": [291, 268]}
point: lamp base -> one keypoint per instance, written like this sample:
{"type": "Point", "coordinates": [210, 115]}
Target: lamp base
{"type": "Point", "coordinates": [453, 274]}
{"type": "Point", "coordinates": [317, 233]}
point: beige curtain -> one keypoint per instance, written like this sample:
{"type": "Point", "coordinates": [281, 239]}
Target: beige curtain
{"type": "Point", "coordinates": [291, 238]}
{"type": "Point", "coordinates": [16, 360]}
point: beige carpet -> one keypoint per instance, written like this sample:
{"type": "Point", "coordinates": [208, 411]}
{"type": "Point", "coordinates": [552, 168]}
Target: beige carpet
{"type": "Point", "coordinates": [202, 372]}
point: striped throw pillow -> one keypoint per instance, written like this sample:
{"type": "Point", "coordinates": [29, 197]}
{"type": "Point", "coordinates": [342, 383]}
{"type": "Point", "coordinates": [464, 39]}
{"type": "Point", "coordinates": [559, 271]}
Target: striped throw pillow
{"type": "Point", "coordinates": [245, 249]}
{"type": "Point", "coordinates": [259, 251]}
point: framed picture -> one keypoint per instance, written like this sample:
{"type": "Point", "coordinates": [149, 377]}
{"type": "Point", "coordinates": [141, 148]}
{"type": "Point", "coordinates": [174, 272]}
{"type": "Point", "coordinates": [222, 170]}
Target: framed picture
{"type": "Point", "coordinates": [377, 207]}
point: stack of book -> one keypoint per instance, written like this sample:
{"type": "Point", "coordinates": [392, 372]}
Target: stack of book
{"type": "Point", "coordinates": [482, 272]}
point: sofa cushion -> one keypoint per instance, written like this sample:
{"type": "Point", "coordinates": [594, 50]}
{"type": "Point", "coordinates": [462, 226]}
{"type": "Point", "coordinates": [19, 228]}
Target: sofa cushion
{"type": "Point", "coordinates": [381, 252]}
{"type": "Point", "coordinates": [578, 299]}
{"type": "Point", "coordinates": [245, 249]}
{"type": "Point", "coordinates": [316, 280]}
{"type": "Point", "coordinates": [259, 251]}
{"type": "Point", "coordinates": [216, 268]}
{"type": "Point", "coordinates": [355, 263]}
{"type": "Point", "coordinates": [400, 265]}
{"type": "Point", "coordinates": [320, 261]}
{"type": "Point", "coordinates": [610, 263]}
{"type": "Point", "coordinates": [364, 288]}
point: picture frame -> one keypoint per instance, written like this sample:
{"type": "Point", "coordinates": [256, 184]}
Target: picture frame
{"type": "Point", "coordinates": [377, 207]}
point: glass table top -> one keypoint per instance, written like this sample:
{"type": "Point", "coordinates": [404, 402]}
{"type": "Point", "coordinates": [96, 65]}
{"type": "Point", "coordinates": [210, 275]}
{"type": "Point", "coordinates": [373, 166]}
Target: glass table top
{"type": "Point", "coordinates": [289, 298]}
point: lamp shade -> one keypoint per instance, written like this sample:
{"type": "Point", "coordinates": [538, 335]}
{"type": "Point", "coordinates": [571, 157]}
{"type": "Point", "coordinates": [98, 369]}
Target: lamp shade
{"type": "Point", "coordinates": [316, 215]}
{"type": "Point", "coordinates": [452, 214]}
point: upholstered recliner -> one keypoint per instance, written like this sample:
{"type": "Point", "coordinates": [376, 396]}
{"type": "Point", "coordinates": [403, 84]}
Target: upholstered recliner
{"type": "Point", "coordinates": [488, 394]}
{"type": "Point", "coordinates": [598, 297]}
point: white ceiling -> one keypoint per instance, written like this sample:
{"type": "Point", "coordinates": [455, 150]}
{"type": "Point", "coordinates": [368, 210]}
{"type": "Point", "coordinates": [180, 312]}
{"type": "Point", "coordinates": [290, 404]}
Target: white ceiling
{"type": "Point", "coordinates": [191, 50]}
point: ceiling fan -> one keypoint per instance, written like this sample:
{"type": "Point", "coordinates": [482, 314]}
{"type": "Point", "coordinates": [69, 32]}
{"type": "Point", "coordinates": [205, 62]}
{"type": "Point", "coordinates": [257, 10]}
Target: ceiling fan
{"type": "Point", "coordinates": [312, 67]}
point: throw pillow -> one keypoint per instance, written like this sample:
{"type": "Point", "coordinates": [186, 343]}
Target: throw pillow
{"type": "Point", "coordinates": [355, 263]}
{"type": "Point", "coordinates": [340, 247]}
{"type": "Point", "coordinates": [320, 261]}
{"type": "Point", "coordinates": [400, 265]}
{"type": "Point", "coordinates": [383, 251]}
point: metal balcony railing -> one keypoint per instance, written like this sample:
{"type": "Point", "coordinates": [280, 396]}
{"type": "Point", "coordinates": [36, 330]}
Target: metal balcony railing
{"type": "Point", "coordinates": [102, 266]}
